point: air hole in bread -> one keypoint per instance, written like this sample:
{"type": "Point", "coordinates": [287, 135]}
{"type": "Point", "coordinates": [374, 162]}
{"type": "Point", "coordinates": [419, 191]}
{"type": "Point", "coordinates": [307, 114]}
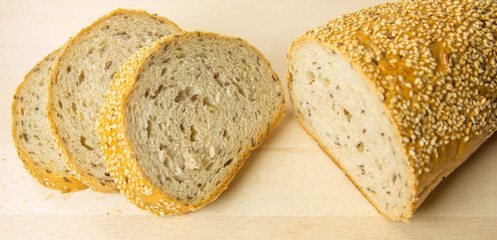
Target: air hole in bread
{"type": "Point", "coordinates": [73, 107]}
{"type": "Point", "coordinates": [25, 137]}
{"type": "Point", "coordinates": [60, 104]}
{"type": "Point", "coordinates": [81, 78]}
{"type": "Point", "coordinates": [157, 91]}
{"type": "Point", "coordinates": [161, 179]}
{"type": "Point", "coordinates": [120, 34]}
{"type": "Point", "coordinates": [178, 179]}
{"type": "Point", "coordinates": [90, 51]}
{"type": "Point", "coordinates": [102, 50]}
{"type": "Point", "coordinates": [225, 133]}
{"type": "Point", "coordinates": [182, 128]}
{"type": "Point", "coordinates": [209, 166]}
{"type": "Point", "coordinates": [240, 89]}
{"type": "Point", "coordinates": [326, 82]}
{"type": "Point", "coordinates": [310, 77]}
{"type": "Point", "coordinates": [148, 128]}
{"type": "Point", "coordinates": [107, 65]}
{"type": "Point", "coordinates": [227, 163]}
{"type": "Point", "coordinates": [193, 134]}
{"type": "Point", "coordinates": [257, 114]}
{"type": "Point", "coordinates": [168, 163]}
{"type": "Point", "coordinates": [182, 95]}
{"type": "Point", "coordinates": [209, 104]}
{"type": "Point", "coordinates": [163, 71]}
{"type": "Point", "coordinates": [68, 69]}
{"type": "Point", "coordinates": [82, 140]}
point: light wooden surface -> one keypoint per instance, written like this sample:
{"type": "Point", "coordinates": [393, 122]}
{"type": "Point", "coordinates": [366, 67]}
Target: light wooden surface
{"type": "Point", "coordinates": [288, 188]}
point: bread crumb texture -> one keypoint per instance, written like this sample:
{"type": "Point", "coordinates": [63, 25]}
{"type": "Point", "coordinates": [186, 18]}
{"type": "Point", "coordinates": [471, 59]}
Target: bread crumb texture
{"type": "Point", "coordinates": [164, 170]}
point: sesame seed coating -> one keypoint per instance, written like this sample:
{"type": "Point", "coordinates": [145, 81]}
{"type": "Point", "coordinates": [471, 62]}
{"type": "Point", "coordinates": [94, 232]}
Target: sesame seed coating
{"type": "Point", "coordinates": [434, 64]}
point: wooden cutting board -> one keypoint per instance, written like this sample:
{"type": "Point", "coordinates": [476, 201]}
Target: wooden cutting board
{"type": "Point", "coordinates": [288, 188]}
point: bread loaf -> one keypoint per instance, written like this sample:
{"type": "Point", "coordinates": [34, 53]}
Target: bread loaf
{"type": "Point", "coordinates": [79, 81]}
{"type": "Point", "coordinates": [31, 131]}
{"type": "Point", "coordinates": [183, 115]}
{"type": "Point", "coordinates": [399, 95]}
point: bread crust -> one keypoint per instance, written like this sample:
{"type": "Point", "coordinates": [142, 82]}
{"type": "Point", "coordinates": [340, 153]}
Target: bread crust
{"type": "Point", "coordinates": [92, 181]}
{"type": "Point", "coordinates": [64, 183]}
{"type": "Point", "coordinates": [119, 154]}
{"type": "Point", "coordinates": [345, 36]}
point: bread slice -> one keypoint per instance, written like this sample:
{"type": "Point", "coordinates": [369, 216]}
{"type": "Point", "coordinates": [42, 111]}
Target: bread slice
{"type": "Point", "coordinates": [31, 131]}
{"type": "Point", "coordinates": [182, 117]}
{"type": "Point", "coordinates": [398, 95]}
{"type": "Point", "coordinates": [79, 81]}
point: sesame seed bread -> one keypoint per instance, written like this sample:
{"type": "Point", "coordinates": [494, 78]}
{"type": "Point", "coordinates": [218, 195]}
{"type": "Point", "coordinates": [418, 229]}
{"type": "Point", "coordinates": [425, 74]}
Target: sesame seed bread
{"type": "Point", "coordinates": [80, 78]}
{"type": "Point", "coordinates": [31, 131]}
{"type": "Point", "coordinates": [399, 95]}
{"type": "Point", "coordinates": [183, 115]}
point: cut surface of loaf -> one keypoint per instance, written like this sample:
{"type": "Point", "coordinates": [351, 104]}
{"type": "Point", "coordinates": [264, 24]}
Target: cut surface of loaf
{"type": "Point", "coordinates": [182, 117]}
{"type": "Point", "coordinates": [81, 76]}
{"type": "Point", "coordinates": [398, 105]}
{"type": "Point", "coordinates": [31, 131]}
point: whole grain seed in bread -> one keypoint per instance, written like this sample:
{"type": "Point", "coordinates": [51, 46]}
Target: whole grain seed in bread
{"type": "Point", "coordinates": [183, 115]}
{"type": "Point", "coordinates": [399, 95]}
{"type": "Point", "coordinates": [31, 131]}
{"type": "Point", "coordinates": [79, 81]}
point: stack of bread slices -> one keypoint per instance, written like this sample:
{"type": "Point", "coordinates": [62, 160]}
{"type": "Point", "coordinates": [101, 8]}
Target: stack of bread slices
{"type": "Point", "coordinates": [134, 104]}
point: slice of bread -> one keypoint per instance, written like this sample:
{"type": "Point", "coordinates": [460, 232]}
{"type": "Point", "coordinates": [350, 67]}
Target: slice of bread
{"type": "Point", "coordinates": [399, 95]}
{"type": "Point", "coordinates": [31, 131]}
{"type": "Point", "coordinates": [79, 81]}
{"type": "Point", "coordinates": [183, 115]}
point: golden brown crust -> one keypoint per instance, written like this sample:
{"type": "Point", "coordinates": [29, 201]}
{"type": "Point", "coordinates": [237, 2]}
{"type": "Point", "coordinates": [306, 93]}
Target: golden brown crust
{"type": "Point", "coordinates": [91, 181]}
{"type": "Point", "coordinates": [433, 78]}
{"type": "Point", "coordinates": [65, 183]}
{"type": "Point", "coordinates": [119, 154]}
